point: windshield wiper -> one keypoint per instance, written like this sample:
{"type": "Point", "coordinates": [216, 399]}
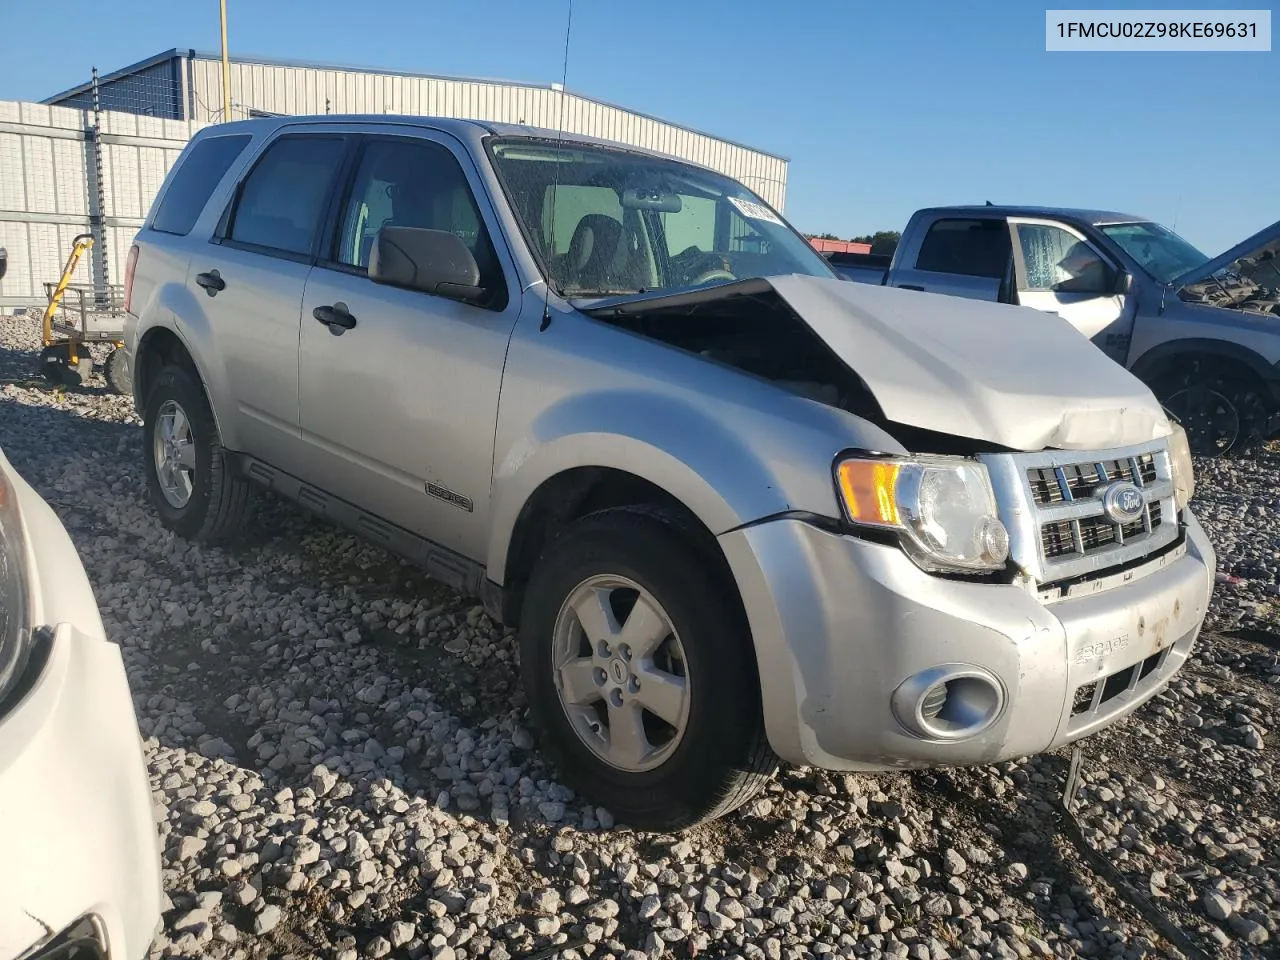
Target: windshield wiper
{"type": "Point", "coordinates": [592, 294]}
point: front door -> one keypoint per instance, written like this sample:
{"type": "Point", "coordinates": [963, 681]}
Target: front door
{"type": "Point", "coordinates": [399, 411]}
{"type": "Point", "coordinates": [1057, 270]}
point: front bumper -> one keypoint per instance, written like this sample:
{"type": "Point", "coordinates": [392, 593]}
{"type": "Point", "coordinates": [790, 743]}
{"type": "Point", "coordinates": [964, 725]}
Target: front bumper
{"type": "Point", "coordinates": [130, 335]}
{"type": "Point", "coordinates": [841, 624]}
{"type": "Point", "coordinates": [77, 834]}
{"type": "Point", "coordinates": [79, 849]}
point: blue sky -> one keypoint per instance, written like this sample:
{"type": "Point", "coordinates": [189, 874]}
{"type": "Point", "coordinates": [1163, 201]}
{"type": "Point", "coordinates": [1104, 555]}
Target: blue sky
{"type": "Point", "coordinates": [881, 107]}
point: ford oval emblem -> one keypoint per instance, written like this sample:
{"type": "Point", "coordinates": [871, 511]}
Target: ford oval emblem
{"type": "Point", "coordinates": [1122, 502]}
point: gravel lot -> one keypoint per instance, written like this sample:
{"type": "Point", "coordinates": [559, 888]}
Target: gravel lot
{"type": "Point", "coordinates": [340, 769]}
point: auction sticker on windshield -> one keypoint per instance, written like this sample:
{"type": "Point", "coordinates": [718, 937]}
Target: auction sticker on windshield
{"type": "Point", "coordinates": [754, 211]}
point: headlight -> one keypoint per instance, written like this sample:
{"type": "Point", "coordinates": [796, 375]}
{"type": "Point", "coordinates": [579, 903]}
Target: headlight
{"type": "Point", "coordinates": [14, 628]}
{"type": "Point", "coordinates": [1184, 480]}
{"type": "Point", "coordinates": [943, 507]}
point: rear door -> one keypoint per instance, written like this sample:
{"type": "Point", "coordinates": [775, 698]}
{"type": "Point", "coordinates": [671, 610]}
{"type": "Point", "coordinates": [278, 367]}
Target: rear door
{"type": "Point", "coordinates": [250, 279]}
{"type": "Point", "coordinates": [959, 256]}
{"type": "Point", "coordinates": [1057, 269]}
{"type": "Point", "coordinates": [398, 412]}
{"type": "Point", "coordinates": [169, 237]}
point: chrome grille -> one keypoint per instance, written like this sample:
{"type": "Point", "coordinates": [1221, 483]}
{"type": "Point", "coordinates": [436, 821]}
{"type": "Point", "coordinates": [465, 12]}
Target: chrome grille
{"type": "Point", "coordinates": [1078, 481]}
{"type": "Point", "coordinates": [1052, 504]}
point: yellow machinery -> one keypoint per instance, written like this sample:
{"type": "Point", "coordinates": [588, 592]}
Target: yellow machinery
{"type": "Point", "coordinates": [65, 361]}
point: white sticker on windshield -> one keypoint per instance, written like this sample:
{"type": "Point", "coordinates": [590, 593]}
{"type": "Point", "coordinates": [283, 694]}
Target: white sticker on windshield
{"type": "Point", "coordinates": [756, 211]}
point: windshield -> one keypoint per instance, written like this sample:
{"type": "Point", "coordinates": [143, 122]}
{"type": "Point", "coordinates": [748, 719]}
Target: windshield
{"type": "Point", "coordinates": [1160, 251]}
{"type": "Point", "coordinates": [623, 223]}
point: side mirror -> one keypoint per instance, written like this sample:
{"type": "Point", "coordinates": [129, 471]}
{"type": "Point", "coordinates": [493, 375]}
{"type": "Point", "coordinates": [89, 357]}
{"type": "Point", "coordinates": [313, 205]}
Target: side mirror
{"type": "Point", "coordinates": [433, 261]}
{"type": "Point", "coordinates": [4, 261]}
{"type": "Point", "coordinates": [1124, 282]}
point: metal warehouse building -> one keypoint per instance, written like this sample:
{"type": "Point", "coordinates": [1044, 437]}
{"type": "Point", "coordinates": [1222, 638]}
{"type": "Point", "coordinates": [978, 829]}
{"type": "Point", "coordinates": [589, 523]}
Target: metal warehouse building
{"type": "Point", "coordinates": [187, 85]}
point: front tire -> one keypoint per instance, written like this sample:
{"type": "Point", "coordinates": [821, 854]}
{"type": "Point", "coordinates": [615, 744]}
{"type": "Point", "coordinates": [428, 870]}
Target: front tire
{"type": "Point", "coordinates": [639, 670]}
{"type": "Point", "coordinates": [1221, 406]}
{"type": "Point", "coordinates": [190, 478]}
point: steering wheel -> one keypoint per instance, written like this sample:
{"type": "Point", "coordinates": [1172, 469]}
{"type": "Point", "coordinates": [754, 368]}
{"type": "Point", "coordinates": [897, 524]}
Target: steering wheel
{"type": "Point", "coordinates": [718, 273]}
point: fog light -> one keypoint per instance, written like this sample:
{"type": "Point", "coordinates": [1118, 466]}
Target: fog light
{"type": "Point", "coordinates": [933, 702]}
{"type": "Point", "coordinates": [953, 701]}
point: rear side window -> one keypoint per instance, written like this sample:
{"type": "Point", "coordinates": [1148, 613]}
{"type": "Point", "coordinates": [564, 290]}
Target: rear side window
{"type": "Point", "coordinates": [973, 248]}
{"type": "Point", "coordinates": [282, 201]}
{"type": "Point", "coordinates": [194, 181]}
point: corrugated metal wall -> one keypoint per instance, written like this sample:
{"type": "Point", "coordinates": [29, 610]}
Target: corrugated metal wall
{"type": "Point", "coordinates": [48, 191]}
{"type": "Point", "coordinates": [301, 89]}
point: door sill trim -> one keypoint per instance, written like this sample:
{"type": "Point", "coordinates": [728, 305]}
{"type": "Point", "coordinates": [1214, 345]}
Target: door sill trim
{"type": "Point", "coordinates": [452, 569]}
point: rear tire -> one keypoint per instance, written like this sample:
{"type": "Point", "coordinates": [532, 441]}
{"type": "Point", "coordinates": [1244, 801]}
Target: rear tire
{"type": "Point", "coordinates": [191, 480]}
{"type": "Point", "coordinates": [707, 753]}
{"type": "Point", "coordinates": [115, 372]}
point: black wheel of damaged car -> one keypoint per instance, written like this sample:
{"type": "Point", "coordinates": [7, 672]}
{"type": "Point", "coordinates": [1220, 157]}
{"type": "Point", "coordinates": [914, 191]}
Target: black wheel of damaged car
{"type": "Point", "coordinates": [57, 369]}
{"type": "Point", "coordinates": [191, 481]}
{"type": "Point", "coordinates": [1220, 406]}
{"type": "Point", "coordinates": [638, 666]}
{"type": "Point", "coordinates": [115, 372]}
{"type": "Point", "coordinates": [1210, 418]}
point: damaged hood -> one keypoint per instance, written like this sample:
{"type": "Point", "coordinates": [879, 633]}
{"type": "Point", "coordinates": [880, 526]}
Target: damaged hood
{"type": "Point", "coordinates": [1013, 376]}
{"type": "Point", "coordinates": [1246, 277]}
{"type": "Point", "coordinates": [1260, 248]}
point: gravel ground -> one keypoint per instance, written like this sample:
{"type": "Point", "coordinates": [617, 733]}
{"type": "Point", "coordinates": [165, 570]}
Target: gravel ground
{"type": "Point", "coordinates": [340, 770]}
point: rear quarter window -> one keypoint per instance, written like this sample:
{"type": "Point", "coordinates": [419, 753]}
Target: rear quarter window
{"type": "Point", "coordinates": [973, 248]}
{"type": "Point", "coordinates": [193, 183]}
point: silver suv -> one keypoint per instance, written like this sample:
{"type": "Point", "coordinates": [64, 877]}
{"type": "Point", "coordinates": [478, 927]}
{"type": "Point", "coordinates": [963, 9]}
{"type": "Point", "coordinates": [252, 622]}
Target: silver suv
{"type": "Point", "coordinates": [737, 509]}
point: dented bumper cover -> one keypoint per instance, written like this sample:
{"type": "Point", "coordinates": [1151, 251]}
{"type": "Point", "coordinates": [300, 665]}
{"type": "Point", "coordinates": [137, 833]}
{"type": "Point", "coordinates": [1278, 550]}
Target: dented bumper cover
{"type": "Point", "coordinates": [841, 625]}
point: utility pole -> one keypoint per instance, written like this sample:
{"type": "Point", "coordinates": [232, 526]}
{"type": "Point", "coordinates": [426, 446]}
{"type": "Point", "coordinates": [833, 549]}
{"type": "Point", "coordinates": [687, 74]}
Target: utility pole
{"type": "Point", "coordinates": [98, 205]}
{"type": "Point", "coordinates": [226, 65]}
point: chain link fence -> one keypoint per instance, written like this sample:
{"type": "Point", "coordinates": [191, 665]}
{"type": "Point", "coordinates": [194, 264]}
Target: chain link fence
{"type": "Point", "coordinates": [77, 167]}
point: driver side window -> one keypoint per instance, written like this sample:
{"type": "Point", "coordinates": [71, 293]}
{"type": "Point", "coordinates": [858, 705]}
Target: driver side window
{"type": "Point", "coordinates": [413, 183]}
{"type": "Point", "coordinates": [1057, 260]}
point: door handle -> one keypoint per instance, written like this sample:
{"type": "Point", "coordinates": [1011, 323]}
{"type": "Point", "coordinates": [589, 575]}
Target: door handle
{"type": "Point", "coordinates": [212, 282]}
{"type": "Point", "coordinates": [910, 286]}
{"type": "Point", "coordinates": [336, 317]}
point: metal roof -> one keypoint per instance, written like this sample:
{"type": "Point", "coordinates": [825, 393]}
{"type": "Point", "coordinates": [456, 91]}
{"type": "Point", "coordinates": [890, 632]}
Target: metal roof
{"type": "Point", "coordinates": [462, 128]}
{"type": "Point", "coordinates": [1070, 213]}
{"type": "Point", "coordinates": [312, 65]}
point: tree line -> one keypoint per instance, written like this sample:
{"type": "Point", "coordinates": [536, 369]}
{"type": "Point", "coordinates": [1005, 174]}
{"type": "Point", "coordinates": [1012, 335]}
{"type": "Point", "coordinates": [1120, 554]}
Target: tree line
{"type": "Point", "coordinates": [872, 238]}
{"type": "Point", "coordinates": [882, 241]}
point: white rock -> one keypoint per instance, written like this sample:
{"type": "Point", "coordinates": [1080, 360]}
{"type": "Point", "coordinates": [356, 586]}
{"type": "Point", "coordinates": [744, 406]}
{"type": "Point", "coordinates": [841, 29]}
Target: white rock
{"type": "Point", "coordinates": [267, 919]}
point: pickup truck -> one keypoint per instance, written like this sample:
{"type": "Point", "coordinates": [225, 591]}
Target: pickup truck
{"type": "Point", "coordinates": [1203, 333]}
{"type": "Point", "coordinates": [737, 510]}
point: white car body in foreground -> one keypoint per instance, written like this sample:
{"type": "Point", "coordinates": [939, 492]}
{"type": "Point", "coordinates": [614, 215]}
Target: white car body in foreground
{"type": "Point", "coordinates": [79, 850]}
